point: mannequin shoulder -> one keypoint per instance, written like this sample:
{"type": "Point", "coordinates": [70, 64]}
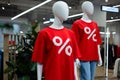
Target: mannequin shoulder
{"type": "Point", "coordinates": [94, 22]}
{"type": "Point", "coordinates": [71, 32]}
{"type": "Point", "coordinates": [77, 21]}
{"type": "Point", "coordinates": [44, 30]}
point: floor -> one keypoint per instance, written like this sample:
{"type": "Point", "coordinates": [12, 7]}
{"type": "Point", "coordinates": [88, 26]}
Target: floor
{"type": "Point", "coordinates": [100, 74]}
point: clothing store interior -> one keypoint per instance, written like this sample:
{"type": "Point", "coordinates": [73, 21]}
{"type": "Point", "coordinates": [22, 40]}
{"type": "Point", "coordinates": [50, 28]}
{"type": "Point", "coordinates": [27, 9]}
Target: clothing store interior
{"type": "Point", "coordinates": [31, 29]}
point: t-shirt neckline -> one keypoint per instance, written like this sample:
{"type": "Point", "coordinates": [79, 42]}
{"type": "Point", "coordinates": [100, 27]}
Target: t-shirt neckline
{"type": "Point", "coordinates": [55, 28]}
{"type": "Point", "coordinates": [86, 22]}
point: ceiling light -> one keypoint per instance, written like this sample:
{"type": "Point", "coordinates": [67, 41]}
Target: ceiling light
{"type": "Point", "coordinates": [30, 9]}
{"type": "Point", "coordinates": [113, 20]}
{"type": "Point", "coordinates": [43, 18]}
{"type": "Point", "coordinates": [21, 32]}
{"type": "Point", "coordinates": [113, 32]}
{"type": "Point", "coordinates": [3, 8]}
{"type": "Point", "coordinates": [9, 4]}
{"type": "Point", "coordinates": [111, 17]}
{"type": "Point", "coordinates": [75, 15]}
{"type": "Point", "coordinates": [70, 7]}
{"type": "Point", "coordinates": [116, 6]}
{"type": "Point", "coordinates": [106, 0]}
{"type": "Point", "coordinates": [46, 22]}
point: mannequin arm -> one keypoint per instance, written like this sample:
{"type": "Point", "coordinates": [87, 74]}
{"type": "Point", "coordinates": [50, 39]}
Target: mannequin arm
{"type": "Point", "coordinates": [99, 54]}
{"type": "Point", "coordinates": [76, 64]}
{"type": "Point", "coordinates": [75, 71]}
{"type": "Point", "coordinates": [39, 71]}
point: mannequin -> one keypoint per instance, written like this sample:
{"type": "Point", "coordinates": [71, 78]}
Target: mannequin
{"type": "Point", "coordinates": [88, 38]}
{"type": "Point", "coordinates": [59, 49]}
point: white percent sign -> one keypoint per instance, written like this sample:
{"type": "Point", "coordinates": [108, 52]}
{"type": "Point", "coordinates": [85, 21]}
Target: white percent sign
{"type": "Point", "coordinates": [91, 33]}
{"type": "Point", "coordinates": [68, 49]}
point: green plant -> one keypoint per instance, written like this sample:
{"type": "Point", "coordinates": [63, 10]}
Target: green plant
{"type": "Point", "coordinates": [23, 67]}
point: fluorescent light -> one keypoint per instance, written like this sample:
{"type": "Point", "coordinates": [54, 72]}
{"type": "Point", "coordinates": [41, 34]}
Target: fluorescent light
{"type": "Point", "coordinates": [113, 20]}
{"type": "Point", "coordinates": [117, 6]}
{"type": "Point", "coordinates": [75, 15]}
{"type": "Point", "coordinates": [46, 22]}
{"type": "Point", "coordinates": [30, 9]}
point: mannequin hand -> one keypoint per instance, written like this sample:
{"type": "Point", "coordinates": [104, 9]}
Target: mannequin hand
{"type": "Point", "coordinates": [77, 63]}
{"type": "Point", "coordinates": [99, 63]}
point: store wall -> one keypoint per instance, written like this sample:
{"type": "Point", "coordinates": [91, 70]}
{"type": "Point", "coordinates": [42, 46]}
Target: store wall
{"type": "Point", "coordinates": [2, 32]}
{"type": "Point", "coordinates": [99, 16]}
{"type": "Point", "coordinates": [115, 27]}
{"type": "Point", "coordinates": [16, 29]}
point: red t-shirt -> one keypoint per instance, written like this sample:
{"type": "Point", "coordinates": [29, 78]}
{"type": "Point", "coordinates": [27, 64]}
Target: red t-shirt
{"type": "Point", "coordinates": [88, 38]}
{"type": "Point", "coordinates": [56, 50]}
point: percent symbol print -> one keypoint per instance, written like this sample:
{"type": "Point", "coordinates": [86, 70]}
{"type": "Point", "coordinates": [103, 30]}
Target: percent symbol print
{"type": "Point", "coordinates": [59, 42]}
{"type": "Point", "coordinates": [91, 33]}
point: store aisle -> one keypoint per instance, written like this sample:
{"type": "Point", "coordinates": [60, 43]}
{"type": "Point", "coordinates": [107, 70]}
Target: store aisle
{"type": "Point", "coordinates": [100, 74]}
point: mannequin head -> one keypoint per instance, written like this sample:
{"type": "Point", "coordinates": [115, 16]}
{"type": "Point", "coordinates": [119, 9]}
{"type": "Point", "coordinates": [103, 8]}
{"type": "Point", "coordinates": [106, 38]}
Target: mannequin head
{"type": "Point", "coordinates": [60, 10]}
{"type": "Point", "coordinates": [88, 8]}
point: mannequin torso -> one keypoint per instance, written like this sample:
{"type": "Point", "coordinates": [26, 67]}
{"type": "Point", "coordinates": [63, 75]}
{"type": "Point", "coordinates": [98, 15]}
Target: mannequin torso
{"type": "Point", "coordinates": [88, 10]}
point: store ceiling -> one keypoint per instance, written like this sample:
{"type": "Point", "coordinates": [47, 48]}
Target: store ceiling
{"type": "Point", "coordinates": [45, 12]}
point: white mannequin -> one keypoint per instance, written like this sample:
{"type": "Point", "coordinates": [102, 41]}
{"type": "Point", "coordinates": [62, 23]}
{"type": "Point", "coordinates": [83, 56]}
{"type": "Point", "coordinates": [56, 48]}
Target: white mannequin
{"type": "Point", "coordinates": [88, 38]}
{"type": "Point", "coordinates": [61, 12]}
{"type": "Point", "coordinates": [88, 10]}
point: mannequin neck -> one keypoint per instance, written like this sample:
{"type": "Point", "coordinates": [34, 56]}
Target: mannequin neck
{"type": "Point", "coordinates": [57, 24]}
{"type": "Point", "coordinates": [86, 18]}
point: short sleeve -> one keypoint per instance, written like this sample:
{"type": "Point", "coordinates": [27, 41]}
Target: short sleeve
{"type": "Point", "coordinates": [76, 31]}
{"type": "Point", "coordinates": [76, 49]}
{"type": "Point", "coordinates": [99, 40]}
{"type": "Point", "coordinates": [39, 48]}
